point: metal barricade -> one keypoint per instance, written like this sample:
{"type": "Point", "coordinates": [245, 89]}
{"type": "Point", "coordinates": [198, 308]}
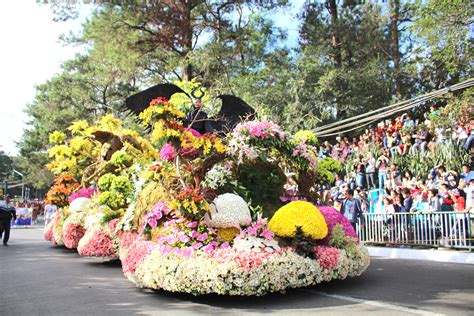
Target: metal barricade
{"type": "Point", "coordinates": [441, 229]}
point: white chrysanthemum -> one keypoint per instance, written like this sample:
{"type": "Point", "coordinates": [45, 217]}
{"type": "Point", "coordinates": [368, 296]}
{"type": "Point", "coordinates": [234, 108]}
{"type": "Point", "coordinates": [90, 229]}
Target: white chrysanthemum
{"type": "Point", "coordinates": [80, 204]}
{"type": "Point", "coordinates": [228, 210]}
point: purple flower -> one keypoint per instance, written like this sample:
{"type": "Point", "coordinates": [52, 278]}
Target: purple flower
{"type": "Point", "coordinates": [167, 152]}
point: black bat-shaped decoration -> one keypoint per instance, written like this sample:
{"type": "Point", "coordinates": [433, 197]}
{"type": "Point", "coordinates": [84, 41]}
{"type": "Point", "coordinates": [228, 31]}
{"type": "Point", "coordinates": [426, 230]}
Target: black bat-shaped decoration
{"type": "Point", "coordinates": [141, 100]}
{"type": "Point", "coordinates": [233, 109]}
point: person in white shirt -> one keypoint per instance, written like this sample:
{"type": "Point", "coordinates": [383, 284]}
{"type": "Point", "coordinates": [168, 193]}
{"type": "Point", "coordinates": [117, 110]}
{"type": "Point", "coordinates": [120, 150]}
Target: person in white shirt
{"type": "Point", "coordinates": [49, 210]}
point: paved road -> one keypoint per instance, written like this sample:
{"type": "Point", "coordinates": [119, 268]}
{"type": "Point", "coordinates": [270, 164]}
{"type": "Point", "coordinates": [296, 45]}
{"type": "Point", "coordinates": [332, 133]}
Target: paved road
{"type": "Point", "coordinates": [37, 278]}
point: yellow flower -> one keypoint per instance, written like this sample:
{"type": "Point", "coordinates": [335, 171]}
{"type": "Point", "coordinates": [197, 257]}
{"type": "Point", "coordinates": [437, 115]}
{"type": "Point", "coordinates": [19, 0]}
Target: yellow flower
{"type": "Point", "coordinates": [302, 214]}
{"type": "Point", "coordinates": [56, 137]}
{"type": "Point", "coordinates": [228, 234]}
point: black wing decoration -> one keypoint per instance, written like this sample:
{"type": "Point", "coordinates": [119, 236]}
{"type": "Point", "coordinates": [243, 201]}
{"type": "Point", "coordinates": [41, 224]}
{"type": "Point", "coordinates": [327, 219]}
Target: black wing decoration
{"type": "Point", "coordinates": [233, 109]}
{"type": "Point", "coordinates": [141, 100]}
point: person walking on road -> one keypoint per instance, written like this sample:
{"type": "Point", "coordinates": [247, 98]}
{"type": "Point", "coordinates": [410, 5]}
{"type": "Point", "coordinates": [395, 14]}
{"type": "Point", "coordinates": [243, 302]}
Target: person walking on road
{"type": "Point", "coordinates": [7, 213]}
{"type": "Point", "coordinates": [49, 210]}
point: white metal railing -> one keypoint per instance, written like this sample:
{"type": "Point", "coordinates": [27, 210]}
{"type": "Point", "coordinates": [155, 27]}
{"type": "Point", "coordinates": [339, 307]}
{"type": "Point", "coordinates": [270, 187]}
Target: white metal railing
{"type": "Point", "coordinates": [440, 229]}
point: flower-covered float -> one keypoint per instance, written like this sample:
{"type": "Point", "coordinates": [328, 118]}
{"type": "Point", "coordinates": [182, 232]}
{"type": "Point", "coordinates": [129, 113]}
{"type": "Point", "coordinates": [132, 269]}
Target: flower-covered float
{"type": "Point", "coordinates": [203, 213]}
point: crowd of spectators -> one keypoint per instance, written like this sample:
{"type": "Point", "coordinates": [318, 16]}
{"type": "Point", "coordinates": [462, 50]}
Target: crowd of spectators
{"type": "Point", "coordinates": [439, 190]}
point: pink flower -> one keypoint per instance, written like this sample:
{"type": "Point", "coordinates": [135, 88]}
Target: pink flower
{"type": "Point", "coordinates": [224, 245]}
{"type": "Point", "coordinates": [197, 245]}
{"type": "Point", "coordinates": [167, 152]}
{"type": "Point", "coordinates": [267, 234]}
{"type": "Point", "coordinates": [137, 252]}
{"type": "Point", "coordinates": [166, 249]}
{"type": "Point", "coordinates": [192, 225]}
{"type": "Point", "coordinates": [184, 238]}
{"type": "Point", "coordinates": [187, 252]}
{"type": "Point", "coordinates": [333, 217]}
{"type": "Point", "coordinates": [252, 231]}
{"type": "Point", "coordinates": [152, 222]}
{"type": "Point", "coordinates": [194, 234]}
{"type": "Point", "coordinates": [202, 237]}
{"type": "Point", "coordinates": [327, 257]}
{"type": "Point", "coordinates": [72, 234]}
{"type": "Point", "coordinates": [212, 230]}
{"type": "Point", "coordinates": [208, 248]}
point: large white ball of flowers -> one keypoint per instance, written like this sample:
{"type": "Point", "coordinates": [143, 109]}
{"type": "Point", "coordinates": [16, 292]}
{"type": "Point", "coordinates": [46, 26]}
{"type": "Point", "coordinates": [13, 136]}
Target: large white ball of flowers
{"type": "Point", "coordinates": [80, 204]}
{"type": "Point", "coordinates": [228, 210]}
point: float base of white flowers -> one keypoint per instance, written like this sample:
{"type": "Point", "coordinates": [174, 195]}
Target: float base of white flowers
{"type": "Point", "coordinates": [221, 272]}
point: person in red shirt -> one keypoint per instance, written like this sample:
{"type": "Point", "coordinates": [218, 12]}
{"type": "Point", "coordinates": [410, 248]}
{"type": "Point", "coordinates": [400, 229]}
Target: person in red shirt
{"type": "Point", "coordinates": [459, 200]}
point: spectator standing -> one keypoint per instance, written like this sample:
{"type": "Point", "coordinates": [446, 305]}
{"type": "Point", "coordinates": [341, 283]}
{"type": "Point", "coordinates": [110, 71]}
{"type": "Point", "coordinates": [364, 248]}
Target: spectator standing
{"type": "Point", "coordinates": [360, 173]}
{"type": "Point", "coordinates": [394, 177]}
{"type": "Point", "coordinates": [7, 213]}
{"type": "Point", "coordinates": [370, 171]}
{"type": "Point", "coordinates": [433, 201]}
{"type": "Point", "coordinates": [351, 208]}
{"type": "Point", "coordinates": [469, 190]}
{"type": "Point", "coordinates": [382, 165]}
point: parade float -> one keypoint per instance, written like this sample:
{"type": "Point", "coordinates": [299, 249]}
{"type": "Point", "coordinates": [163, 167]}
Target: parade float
{"type": "Point", "coordinates": [200, 208]}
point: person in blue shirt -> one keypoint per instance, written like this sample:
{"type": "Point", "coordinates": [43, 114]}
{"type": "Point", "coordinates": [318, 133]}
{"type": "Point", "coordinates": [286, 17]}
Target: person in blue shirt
{"type": "Point", "coordinates": [467, 174]}
{"type": "Point", "coordinates": [351, 208]}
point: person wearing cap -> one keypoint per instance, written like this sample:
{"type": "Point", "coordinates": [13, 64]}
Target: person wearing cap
{"type": "Point", "coordinates": [7, 213]}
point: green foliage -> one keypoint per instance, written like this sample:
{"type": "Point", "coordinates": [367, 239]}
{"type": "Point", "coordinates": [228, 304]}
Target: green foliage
{"type": "Point", "coordinates": [116, 191]}
{"type": "Point", "coordinates": [326, 169]}
{"type": "Point", "coordinates": [263, 183]}
{"type": "Point", "coordinates": [444, 27]}
{"type": "Point", "coordinates": [105, 182]}
{"type": "Point", "coordinates": [110, 214]}
{"type": "Point", "coordinates": [451, 156]}
{"type": "Point", "coordinates": [121, 159]}
{"type": "Point", "coordinates": [340, 240]}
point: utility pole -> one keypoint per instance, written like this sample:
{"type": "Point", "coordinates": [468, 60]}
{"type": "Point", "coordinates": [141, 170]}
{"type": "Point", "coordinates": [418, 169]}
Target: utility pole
{"type": "Point", "coordinates": [22, 182]}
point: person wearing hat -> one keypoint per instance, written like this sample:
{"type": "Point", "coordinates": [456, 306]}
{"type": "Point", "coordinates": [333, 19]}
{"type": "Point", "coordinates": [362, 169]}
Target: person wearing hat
{"type": "Point", "coordinates": [7, 213]}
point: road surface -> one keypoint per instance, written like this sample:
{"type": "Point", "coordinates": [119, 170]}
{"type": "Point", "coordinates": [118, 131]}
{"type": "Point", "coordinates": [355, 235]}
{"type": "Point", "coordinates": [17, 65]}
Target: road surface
{"type": "Point", "coordinates": [37, 278]}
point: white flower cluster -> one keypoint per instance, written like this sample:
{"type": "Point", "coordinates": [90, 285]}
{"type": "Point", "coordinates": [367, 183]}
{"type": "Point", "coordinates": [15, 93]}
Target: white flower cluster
{"type": "Point", "coordinates": [200, 274]}
{"type": "Point", "coordinates": [81, 204]}
{"type": "Point", "coordinates": [252, 243]}
{"type": "Point", "coordinates": [228, 210]}
{"type": "Point", "coordinates": [74, 218]}
{"type": "Point", "coordinates": [217, 177]}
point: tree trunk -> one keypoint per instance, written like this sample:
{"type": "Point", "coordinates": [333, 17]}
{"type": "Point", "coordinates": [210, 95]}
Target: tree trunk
{"type": "Point", "coordinates": [188, 42]}
{"type": "Point", "coordinates": [394, 17]}
{"type": "Point", "coordinates": [336, 44]}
